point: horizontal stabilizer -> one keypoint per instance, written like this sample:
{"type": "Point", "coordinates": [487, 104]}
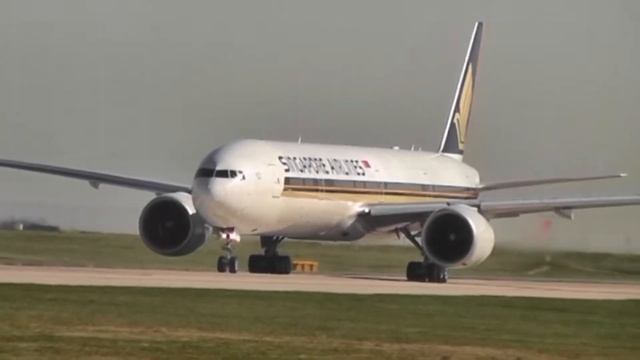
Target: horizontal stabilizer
{"type": "Point", "coordinates": [536, 182]}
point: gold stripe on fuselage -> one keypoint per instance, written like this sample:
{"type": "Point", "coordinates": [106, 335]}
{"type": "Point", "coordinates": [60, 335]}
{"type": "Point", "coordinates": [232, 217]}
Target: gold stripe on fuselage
{"type": "Point", "coordinates": [372, 195]}
{"type": "Point", "coordinates": [365, 198]}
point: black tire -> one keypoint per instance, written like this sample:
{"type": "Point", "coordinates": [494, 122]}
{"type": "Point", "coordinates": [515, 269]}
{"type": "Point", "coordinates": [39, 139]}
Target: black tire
{"type": "Point", "coordinates": [258, 264]}
{"type": "Point", "coordinates": [436, 273]}
{"type": "Point", "coordinates": [223, 264]}
{"type": "Point", "coordinates": [416, 271]}
{"type": "Point", "coordinates": [443, 276]}
{"type": "Point", "coordinates": [281, 265]}
{"type": "Point", "coordinates": [431, 269]}
{"type": "Point", "coordinates": [233, 265]}
{"type": "Point", "coordinates": [252, 263]}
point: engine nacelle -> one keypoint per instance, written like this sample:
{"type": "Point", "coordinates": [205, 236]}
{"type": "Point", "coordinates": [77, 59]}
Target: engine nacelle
{"type": "Point", "coordinates": [170, 226]}
{"type": "Point", "coordinates": [457, 236]}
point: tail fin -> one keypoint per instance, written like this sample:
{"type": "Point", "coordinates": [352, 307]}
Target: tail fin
{"type": "Point", "coordinates": [456, 131]}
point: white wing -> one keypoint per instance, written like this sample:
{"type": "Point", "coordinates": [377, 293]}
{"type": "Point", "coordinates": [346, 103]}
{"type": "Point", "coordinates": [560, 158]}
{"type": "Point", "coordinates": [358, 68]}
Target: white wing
{"type": "Point", "coordinates": [536, 182]}
{"type": "Point", "coordinates": [518, 207]}
{"type": "Point", "coordinates": [385, 214]}
{"type": "Point", "coordinates": [96, 178]}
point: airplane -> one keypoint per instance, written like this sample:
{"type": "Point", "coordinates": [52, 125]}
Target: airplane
{"type": "Point", "coordinates": [278, 190]}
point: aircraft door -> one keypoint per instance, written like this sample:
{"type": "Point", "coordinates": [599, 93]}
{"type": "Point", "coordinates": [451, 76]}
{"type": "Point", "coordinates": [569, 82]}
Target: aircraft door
{"type": "Point", "coordinates": [273, 178]}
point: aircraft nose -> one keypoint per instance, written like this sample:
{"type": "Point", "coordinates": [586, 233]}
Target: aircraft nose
{"type": "Point", "coordinates": [213, 199]}
{"type": "Point", "coordinates": [210, 190]}
{"type": "Point", "coordinates": [200, 192]}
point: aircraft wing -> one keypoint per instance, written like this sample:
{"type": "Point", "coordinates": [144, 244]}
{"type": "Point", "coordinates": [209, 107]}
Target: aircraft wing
{"type": "Point", "coordinates": [497, 209]}
{"type": "Point", "coordinates": [562, 206]}
{"type": "Point", "coordinates": [95, 178]}
{"type": "Point", "coordinates": [535, 182]}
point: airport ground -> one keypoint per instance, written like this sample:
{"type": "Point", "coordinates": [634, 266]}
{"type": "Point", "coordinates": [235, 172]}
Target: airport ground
{"type": "Point", "coordinates": [128, 251]}
{"type": "Point", "coordinates": [43, 321]}
{"type": "Point", "coordinates": [61, 322]}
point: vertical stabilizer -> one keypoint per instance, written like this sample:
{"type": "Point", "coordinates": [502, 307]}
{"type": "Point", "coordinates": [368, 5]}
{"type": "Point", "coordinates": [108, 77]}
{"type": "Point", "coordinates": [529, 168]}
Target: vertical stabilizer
{"type": "Point", "coordinates": [458, 122]}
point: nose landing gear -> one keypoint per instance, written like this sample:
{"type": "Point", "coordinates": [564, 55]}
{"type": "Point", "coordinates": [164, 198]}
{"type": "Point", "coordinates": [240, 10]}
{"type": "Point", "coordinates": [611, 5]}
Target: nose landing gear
{"type": "Point", "coordinates": [228, 261]}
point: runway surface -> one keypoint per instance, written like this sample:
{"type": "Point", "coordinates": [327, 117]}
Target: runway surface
{"type": "Point", "coordinates": [312, 282]}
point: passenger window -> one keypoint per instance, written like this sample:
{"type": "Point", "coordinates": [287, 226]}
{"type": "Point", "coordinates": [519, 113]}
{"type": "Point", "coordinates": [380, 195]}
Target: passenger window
{"type": "Point", "coordinates": [295, 181]}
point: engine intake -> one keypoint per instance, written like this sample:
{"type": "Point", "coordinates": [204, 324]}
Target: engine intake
{"type": "Point", "coordinates": [457, 236]}
{"type": "Point", "coordinates": [170, 226]}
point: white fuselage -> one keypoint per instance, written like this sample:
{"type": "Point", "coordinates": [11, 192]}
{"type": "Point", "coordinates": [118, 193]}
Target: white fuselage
{"type": "Point", "coordinates": [316, 191]}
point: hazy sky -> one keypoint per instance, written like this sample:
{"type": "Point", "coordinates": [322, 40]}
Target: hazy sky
{"type": "Point", "coordinates": [146, 88]}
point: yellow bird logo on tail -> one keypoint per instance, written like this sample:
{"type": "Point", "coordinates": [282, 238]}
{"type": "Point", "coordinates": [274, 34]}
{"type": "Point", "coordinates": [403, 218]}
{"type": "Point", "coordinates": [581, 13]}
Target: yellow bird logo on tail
{"type": "Point", "coordinates": [461, 118]}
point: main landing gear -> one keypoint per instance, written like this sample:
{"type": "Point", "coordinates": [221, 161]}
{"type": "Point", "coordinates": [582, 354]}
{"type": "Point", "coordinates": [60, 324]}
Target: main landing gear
{"type": "Point", "coordinates": [423, 271]}
{"type": "Point", "coordinates": [271, 262]}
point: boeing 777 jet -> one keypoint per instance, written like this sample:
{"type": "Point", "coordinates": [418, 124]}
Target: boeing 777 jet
{"type": "Point", "coordinates": [279, 190]}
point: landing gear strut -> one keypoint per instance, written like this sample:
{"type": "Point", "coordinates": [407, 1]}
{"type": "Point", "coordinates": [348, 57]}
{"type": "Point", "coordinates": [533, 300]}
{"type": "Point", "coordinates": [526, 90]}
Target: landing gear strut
{"type": "Point", "coordinates": [271, 262]}
{"type": "Point", "coordinates": [425, 270]}
{"type": "Point", "coordinates": [228, 261]}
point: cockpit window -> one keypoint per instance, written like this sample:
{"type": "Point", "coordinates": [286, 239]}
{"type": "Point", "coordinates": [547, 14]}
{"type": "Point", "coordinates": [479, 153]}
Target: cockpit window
{"type": "Point", "coordinates": [229, 174]}
{"type": "Point", "coordinates": [225, 174]}
{"type": "Point", "coordinates": [219, 173]}
{"type": "Point", "coordinates": [205, 173]}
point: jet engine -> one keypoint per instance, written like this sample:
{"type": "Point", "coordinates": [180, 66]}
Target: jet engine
{"type": "Point", "coordinates": [170, 226]}
{"type": "Point", "coordinates": [457, 236]}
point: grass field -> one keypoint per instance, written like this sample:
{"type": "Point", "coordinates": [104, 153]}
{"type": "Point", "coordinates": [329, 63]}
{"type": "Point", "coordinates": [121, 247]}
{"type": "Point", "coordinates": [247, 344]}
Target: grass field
{"type": "Point", "coordinates": [128, 251]}
{"type": "Point", "coordinates": [61, 322]}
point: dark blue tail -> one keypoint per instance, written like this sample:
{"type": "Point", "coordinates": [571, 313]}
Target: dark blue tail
{"type": "Point", "coordinates": [456, 131]}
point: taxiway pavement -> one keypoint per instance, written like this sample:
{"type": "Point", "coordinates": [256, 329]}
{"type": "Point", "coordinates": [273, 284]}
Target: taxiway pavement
{"type": "Point", "coordinates": [312, 282]}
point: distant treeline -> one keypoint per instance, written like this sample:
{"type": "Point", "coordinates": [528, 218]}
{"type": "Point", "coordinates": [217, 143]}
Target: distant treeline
{"type": "Point", "coordinates": [27, 224]}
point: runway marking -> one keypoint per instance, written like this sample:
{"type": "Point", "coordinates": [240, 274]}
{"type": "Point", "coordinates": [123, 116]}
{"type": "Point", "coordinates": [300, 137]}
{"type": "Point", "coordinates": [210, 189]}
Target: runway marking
{"type": "Point", "coordinates": [539, 270]}
{"type": "Point", "coordinates": [82, 276]}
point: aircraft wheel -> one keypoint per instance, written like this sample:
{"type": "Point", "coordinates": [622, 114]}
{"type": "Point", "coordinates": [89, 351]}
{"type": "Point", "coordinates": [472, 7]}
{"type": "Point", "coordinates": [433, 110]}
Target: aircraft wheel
{"type": "Point", "coordinates": [258, 264]}
{"type": "Point", "coordinates": [275, 264]}
{"type": "Point", "coordinates": [443, 276]}
{"type": "Point", "coordinates": [223, 264]}
{"type": "Point", "coordinates": [436, 273]}
{"type": "Point", "coordinates": [233, 264]}
{"type": "Point", "coordinates": [416, 271]}
{"type": "Point", "coordinates": [281, 265]}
